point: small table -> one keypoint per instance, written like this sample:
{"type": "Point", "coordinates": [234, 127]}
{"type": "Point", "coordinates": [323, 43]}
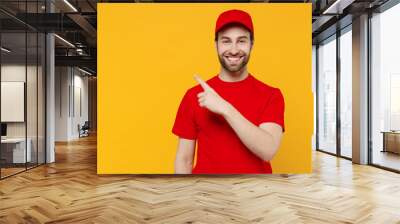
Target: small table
{"type": "Point", "coordinates": [17, 151]}
{"type": "Point", "coordinates": [391, 141]}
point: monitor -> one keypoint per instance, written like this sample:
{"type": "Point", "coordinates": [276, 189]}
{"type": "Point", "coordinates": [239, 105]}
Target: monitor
{"type": "Point", "coordinates": [3, 129]}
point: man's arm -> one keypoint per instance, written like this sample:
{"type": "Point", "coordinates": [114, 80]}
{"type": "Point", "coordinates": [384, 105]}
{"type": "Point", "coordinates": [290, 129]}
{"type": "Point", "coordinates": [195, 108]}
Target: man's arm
{"type": "Point", "coordinates": [263, 141]}
{"type": "Point", "coordinates": [184, 156]}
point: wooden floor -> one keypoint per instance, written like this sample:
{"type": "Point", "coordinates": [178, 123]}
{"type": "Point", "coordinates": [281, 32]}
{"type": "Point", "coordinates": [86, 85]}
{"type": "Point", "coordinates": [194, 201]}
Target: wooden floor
{"type": "Point", "coordinates": [70, 191]}
{"type": "Point", "coordinates": [5, 172]}
{"type": "Point", "coordinates": [387, 159]}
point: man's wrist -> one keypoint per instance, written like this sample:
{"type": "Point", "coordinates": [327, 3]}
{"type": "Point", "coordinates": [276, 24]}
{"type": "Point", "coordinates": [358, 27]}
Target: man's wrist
{"type": "Point", "coordinates": [229, 110]}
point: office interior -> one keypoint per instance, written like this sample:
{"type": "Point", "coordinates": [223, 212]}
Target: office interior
{"type": "Point", "coordinates": [355, 67]}
{"type": "Point", "coordinates": [48, 79]}
{"type": "Point", "coordinates": [49, 92]}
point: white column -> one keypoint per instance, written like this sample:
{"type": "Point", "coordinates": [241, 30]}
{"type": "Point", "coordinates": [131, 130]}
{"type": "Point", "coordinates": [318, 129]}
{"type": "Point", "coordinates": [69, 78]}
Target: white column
{"type": "Point", "coordinates": [50, 93]}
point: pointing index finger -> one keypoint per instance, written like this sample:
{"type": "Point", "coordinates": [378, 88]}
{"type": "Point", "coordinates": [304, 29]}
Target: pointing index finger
{"type": "Point", "coordinates": [203, 84]}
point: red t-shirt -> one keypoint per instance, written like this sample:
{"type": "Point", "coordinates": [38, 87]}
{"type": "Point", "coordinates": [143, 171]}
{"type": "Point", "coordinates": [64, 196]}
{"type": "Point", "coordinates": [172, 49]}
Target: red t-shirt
{"type": "Point", "coordinates": [219, 149]}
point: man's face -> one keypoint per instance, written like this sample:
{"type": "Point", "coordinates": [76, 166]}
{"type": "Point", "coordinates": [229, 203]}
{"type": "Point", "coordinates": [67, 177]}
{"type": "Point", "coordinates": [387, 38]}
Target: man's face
{"type": "Point", "coordinates": [234, 47]}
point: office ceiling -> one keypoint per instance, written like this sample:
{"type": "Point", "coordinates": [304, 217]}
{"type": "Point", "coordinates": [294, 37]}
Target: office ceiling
{"type": "Point", "coordinates": [330, 17]}
{"type": "Point", "coordinates": [74, 21]}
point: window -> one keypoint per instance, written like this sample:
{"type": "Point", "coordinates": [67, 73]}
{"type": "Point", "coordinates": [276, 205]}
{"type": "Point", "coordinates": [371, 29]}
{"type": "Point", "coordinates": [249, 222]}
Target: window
{"type": "Point", "coordinates": [346, 93]}
{"type": "Point", "coordinates": [327, 95]}
{"type": "Point", "coordinates": [385, 88]}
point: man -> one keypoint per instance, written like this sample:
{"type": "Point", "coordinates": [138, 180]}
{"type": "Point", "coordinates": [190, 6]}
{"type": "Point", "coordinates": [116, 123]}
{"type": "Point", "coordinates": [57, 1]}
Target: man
{"type": "Point", "coordinates": [236, 120]}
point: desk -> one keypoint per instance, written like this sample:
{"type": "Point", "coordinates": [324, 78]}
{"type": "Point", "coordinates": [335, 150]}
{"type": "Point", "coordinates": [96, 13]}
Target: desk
{"type": "Point", "coordinates": [391, 141]}
{"type": "Point", "coordinates": [16, 147]}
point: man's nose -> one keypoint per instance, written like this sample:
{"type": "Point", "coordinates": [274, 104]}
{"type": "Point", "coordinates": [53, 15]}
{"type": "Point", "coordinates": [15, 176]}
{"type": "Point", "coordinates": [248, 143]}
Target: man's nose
{"type": "Point", "coordinates": [234, 49]}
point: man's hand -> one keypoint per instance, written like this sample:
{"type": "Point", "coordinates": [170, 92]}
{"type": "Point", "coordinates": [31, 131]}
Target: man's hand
{"type": "Point", "coordinates": [263, 141]}
{"type": "Point", "coordinates": [211, 100]}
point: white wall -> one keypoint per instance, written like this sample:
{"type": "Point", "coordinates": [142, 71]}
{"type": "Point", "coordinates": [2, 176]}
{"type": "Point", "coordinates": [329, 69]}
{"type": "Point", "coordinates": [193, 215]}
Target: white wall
{"type": "Point", "coordinates": [62, 80]}
{"type": "Point", "coordinates": [80, 84]}
{"type": "Point", "coordinates": [16, 73]}
{"type": "Point", "coordinates": [12, 101]}
{"type": "Point", "coordinates": [71, 87]}
{"type": "Point", "coordinates": [33, 127]}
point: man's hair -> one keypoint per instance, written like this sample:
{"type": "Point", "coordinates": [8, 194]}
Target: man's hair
{"type": "Point", "coordinates": [235, 24]}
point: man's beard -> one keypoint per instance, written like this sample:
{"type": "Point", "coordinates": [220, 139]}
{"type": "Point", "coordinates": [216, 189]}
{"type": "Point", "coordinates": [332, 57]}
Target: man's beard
{"type": "Point", "coordinates": [234, 68]}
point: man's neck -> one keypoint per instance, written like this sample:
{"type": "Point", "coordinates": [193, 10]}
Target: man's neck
{"type": "Point", "coordinates": [228, 76]}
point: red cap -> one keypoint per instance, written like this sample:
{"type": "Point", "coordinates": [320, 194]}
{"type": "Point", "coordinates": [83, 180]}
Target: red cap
{"type": "Point", "coordinates": [234, 16]}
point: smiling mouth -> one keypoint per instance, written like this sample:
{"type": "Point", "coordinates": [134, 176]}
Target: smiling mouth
{"type": "Point", "coordinates": [233, 59]}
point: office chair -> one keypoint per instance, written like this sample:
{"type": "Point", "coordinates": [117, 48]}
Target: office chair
{"type": "Point", "coordinates": [84, 130]}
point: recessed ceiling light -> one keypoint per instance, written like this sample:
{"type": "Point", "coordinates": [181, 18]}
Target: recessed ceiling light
{"type": "Point", "coordinates": [5, 50]}
{"type": "Point", "coordinates": [337, 7]}
{"type": "Point", "coordinates": [84, 71]}
{"type": "Point", "coordinates": [64, 40]}
{"type": "Point", "coordinates": [70, 5]}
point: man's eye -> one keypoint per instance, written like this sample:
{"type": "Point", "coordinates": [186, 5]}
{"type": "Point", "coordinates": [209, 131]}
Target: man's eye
{"type": "Point", "coordinates": [242, 41]}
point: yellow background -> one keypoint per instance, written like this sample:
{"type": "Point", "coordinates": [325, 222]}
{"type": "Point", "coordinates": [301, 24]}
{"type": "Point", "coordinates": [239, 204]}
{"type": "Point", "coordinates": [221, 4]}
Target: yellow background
{"type": "Point", "coordinates": [147, 56]}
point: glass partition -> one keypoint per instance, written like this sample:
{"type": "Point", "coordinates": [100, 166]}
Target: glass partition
{"type": "Point", "coordinates": [14, 154]}
{"type": "Point", "coordinates": [22, 88]}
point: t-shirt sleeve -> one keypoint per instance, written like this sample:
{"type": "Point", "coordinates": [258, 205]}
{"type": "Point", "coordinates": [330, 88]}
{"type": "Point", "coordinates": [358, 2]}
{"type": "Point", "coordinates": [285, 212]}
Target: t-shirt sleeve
{"type": "Point", "coordinates": [185, 125]}
{"type": "Point", "coordinates": [274, 110]}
